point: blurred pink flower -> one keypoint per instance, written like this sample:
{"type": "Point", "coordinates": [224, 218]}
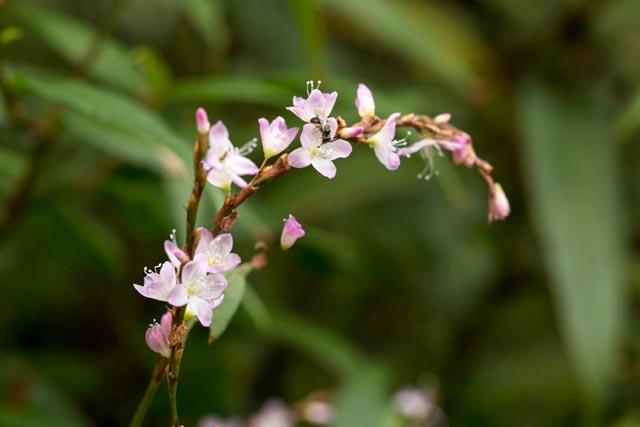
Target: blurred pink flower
{"type": "Point", "coordinates": [291, 231]}
{"type": "Point", "coordinates": [499, 207]}
{"type": "Point", "coordinates": [273, 413]}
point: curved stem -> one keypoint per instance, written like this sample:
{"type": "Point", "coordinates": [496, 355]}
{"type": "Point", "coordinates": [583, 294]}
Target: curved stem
{"type": "Point", "coordinates": [150, 393]}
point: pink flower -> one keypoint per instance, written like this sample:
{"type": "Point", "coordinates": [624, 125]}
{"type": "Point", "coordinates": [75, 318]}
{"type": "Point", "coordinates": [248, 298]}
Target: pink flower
{"type": "Point", "coordinates": [158, 336]}
{"type": "Point", "coordinates": [201, 292]}
{"type": "Point", "coordinates": [158, 286]}
{"type": "Point", "coordinates": [217, 251]}
{"type": "Point", "coordinates": [318, 154]}
{"type": "Point", "coordinates": [499, 207]}
{"type": "Point", "coordinates": [384, 145]}
{"type": "Point", "coordinates": [364, 101]}
{"type": "Point", "coordinates": [272, 414]}
{"type": "Point", "coordinates": [291, 232]}
{"type": "Point", "coordinates": [224, 162]}
{"type": "Point", "coordinates": [414, 404]}
{"type": "Point", "coordinates": [317, 106]}
{"type": "Point", "coordinates": [202, 121]}
{"type": "Point", "coordinates": [176, 255]}
{"type": "Point", "coordinates": [275, 136]}
{"type": "Point", "coordinates": [464, 152]}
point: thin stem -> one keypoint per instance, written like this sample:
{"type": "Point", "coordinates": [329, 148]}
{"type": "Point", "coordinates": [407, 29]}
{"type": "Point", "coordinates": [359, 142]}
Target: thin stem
{"type": "Point", "coordinates": [149, 394]}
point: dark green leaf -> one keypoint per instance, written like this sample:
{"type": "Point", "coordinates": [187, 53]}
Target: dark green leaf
{"type": "Point", "coordinates": [569, 160]}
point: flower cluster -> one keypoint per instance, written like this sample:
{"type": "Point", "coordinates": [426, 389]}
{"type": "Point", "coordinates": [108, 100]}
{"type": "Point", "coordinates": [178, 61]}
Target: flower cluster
{"type": "Point", "coordinates": [196, 283]}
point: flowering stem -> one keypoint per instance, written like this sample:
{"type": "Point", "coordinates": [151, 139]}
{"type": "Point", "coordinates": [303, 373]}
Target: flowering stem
{"type": "Point", "coordinates": [200, 177]}
{"type": "Point", "coordinates": [149, 394]}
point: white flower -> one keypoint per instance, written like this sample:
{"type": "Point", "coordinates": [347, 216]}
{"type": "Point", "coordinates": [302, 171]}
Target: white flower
{"type": "Point", "coordinates": [201, 292]}
{"type": "Point", "coordinates": [318, 154]}
{"type": "Point", "coordinates": [384, 145]}
{"type": "Point", "coordinates": [224, 162]}
{"type": "Point", "coordinates": [217, 251]}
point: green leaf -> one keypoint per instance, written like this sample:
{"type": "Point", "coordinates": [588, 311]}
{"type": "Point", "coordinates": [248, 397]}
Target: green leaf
{"type": "Point", "coordinates": [248, 89]}
{"type": "Point", "coordinates": [312, 29]}
{"type": "Point", "coordinates": [569, 161]}
{"type": "Point", "coordinates": [122, 126]}
{"type": "Point", "coordinates": [71, 40]}
{"type": "Point", "coordinates": [206, 17]}
{"type": "Point", "coordinates": [362, 400]}
{"type": "Point", "coordinates": [423, 33]}
{"type": "Point", "coordinates": [233, 295]}
{"type": "Point", "coordinates": [629, 120]}
{"type": "Point", "coordinates": [328, 348]}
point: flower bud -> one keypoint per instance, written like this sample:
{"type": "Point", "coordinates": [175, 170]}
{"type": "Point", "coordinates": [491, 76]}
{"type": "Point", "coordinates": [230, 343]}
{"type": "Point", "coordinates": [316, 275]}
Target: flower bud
{"type": "Point", "coordinates": [352, 132]}
{"type": "Point", "coordinates": [364, 101]}
{"type": "Point", "coordinates": [158, 336]}
{"type": "Point", "coordinates": [291, 232]}
{"type": "Point", "coordinates": [202, 121]}
{"type": "Point", "coordinates": [499, 207]}
{"type": "Point", "coordinates": [442, 118]}
{"type": "Point", "coordinates": [176, 255]}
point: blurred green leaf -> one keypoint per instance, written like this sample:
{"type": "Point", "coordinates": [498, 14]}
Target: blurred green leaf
{"type": "Point", "coordinates": [71, 40]}
{"type": "Point", "coordinates": [206, 17]}
{"type": "Point", "coordinates": [257, 310]}
{"type": "Point", "coordinates": [569, 162]}
{"type": "Point", "coordinates": [116, 116]}
{"type": "Point", "coordinates": [313, 34]}
{"type": "Point", "coordinates": [361, 402]}
{"type": "Point", "coordinates": [423, 33]}
{"type": "Point", "coordinates": [629, 120]}
{"type": "Point", "coordinates": [249, 89]}
{"type": "Point", "coordinates": [329, 349]}
{"type": "Point", "coordinates": [233, 296]}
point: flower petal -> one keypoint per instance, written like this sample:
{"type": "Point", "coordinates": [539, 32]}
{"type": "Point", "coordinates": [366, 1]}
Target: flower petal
{"type": "Point", "coordinates": [212, 287]}
{"type": "Point", "coordinates": [202, 309]}
{"type": "Point", "coordinates": [324, 166]}
{"type": "Point", "coordinates": [387, 156]}
{"type": "Point", "coordinates": [221, 245]}
{"type": "Point", "coordinates": [178, 296]}
{"type": "Point", "coordinates": [338, 149]}
{"type": "Point", "coordinates": [239, 165]}
{"type": "Point", "coordinates": [230, 262]}
{"type": "Point", "coordinates": [205, 238]}
{"type": "Point", "coordinates": [299, 158]}
{"type": "Point", "coordinates": [310, 136]}
{"type": "Point", "coordinates": [220, 178]}
{"type": "Point", "coordinates": [219, 138]}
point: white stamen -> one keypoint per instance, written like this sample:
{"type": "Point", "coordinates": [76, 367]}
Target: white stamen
{"type": "Point", "coordinates": [248, 147]}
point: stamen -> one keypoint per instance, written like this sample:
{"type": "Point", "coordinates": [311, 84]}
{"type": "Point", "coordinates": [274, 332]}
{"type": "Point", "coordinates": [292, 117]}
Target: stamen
{"type": "Point", "coordinates": [248, 147]}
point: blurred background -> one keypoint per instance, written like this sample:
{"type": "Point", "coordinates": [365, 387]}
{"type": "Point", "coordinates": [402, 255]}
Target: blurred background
{"type": "Point", "coordinates": [399, 282]}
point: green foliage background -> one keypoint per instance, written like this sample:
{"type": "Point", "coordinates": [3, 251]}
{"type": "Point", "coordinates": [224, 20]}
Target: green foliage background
{"type": "Point", "coordinates": [530, 322]}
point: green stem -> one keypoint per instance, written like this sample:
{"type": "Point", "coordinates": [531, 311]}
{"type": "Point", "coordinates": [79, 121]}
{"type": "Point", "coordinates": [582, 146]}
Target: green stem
{"type": "Point", "coordinates": [173, 372]}
{"type": "Point", "coordinates": [150, 393]}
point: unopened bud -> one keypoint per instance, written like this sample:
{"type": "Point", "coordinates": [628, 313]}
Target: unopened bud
{"type": "Point", "coordinates": [352, 132]}
{"type": "Point", "coordinates": [499, 207]}
{"type": "Point", "coordinates": [202, 121]}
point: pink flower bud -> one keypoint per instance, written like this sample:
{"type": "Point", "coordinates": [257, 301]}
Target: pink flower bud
{"type": "Point", "coordinates": [291, 232]}
{"type": "Point", "coordinates": [202, 121]}
{"type": "Point", "coordinates": [352, 132]}
{"type": "Point", "coordinates": [499, 207]}
{"type": "Point", "coordinates": [158, 336]}
{"type": "Point", "coordinates": [364, 101]}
